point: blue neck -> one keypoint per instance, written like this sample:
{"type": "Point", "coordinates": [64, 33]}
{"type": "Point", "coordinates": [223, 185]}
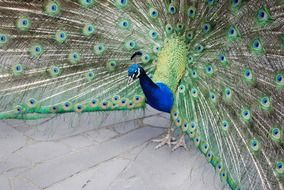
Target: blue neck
{"type": "Point", "coordinates": [158, 95]}
{"type": "Point", "coordinates": [147, 84]}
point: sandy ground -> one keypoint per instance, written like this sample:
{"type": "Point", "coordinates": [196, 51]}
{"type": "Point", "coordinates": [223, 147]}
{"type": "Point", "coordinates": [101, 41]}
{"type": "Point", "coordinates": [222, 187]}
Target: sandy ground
{"type": "Point", "coordinates": [114, 157]}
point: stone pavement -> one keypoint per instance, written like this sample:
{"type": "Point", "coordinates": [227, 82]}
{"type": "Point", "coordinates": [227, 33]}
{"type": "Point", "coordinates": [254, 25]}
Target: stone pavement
{"type": "Point", "coordinates": [115, 157]}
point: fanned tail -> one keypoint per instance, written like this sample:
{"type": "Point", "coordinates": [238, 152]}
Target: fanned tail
{"type": "Point", "coordinates": [67, 56]}
{"type": "Point", "coordinates": [230, 100]}
{"type": "Point", "coordinates": [72, 56]}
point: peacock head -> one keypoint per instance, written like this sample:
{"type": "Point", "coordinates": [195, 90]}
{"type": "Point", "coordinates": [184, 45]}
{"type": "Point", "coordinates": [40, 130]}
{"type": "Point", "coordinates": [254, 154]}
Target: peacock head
{"type": "Point", "coordinates": [134, 72]}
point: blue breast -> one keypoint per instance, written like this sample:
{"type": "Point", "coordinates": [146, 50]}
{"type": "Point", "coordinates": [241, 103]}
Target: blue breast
{"type": "Point", "coordinates": [158, 95]}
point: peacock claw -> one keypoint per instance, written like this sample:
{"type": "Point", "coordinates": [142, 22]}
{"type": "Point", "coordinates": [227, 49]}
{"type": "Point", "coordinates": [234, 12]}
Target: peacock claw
{"type": "Point", "coordinates": [167, 140]}
{"type": "Point", "coordinates": [180, 143]}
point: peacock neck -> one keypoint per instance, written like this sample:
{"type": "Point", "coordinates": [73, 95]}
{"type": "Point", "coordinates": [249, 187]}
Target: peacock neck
{"type": "Point", "coordinates": [158, 95]}
{"type": "Point", "coordinates": [147, 84]}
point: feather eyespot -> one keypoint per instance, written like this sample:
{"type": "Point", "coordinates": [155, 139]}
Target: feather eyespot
{"type": "Point", "coordinates": [153, 12]}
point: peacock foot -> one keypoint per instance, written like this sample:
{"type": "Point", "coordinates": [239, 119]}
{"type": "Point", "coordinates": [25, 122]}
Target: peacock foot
{"type": "Point", "coordinates": [180, 143]}
{"type": "Point", "coordinates": [167, 140]}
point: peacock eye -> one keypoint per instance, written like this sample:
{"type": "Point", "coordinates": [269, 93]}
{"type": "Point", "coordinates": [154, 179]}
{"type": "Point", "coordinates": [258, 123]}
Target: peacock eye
{"type": "Point", "coordinates": [125, 24]}
{"type": "Point", "coordinates": [279, 78]}
{"type": "Point", "coordinates": [24, 22]}
{"type": "Point", "coordinates": [53, 7]}
{"type": "Point", "coordinates": [263, 15]}
{"type": "Point", "coordinates": [19, 109]}
{"type": "Point", "coordinates": [153, 13]}
{"type": "Point", "coordinates": [121, 3]}
{"type": "Point", "coordinates": [206, 28]}
{"type": "Point", "coordinates": [264, 100]}
{"type": "Point", "coordinates": [256, 44]}
{"type": "Point", "coordinates": [275, 131]}
{"type": "Point", "coordinates": [172, 9]}
{"type": "Point", "coordinates": [89, 29]}
{"type": "Point", "coordinates": [3, 38]}
{"type": "Point", "coordinates": [247, 73]}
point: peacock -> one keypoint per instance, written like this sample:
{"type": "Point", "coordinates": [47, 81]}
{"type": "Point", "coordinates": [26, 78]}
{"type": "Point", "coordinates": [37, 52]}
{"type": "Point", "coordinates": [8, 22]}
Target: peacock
{"type": "Point", "coordinates": [215, 66]}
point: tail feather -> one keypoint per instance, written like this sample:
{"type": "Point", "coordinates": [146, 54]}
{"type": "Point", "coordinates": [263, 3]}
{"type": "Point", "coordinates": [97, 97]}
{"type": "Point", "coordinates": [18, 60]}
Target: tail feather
{"type": "Point", "coordinates": [72, 56]}
{"type": "Point", "coordinates": [58, 52]}
{"type": "Point", "coordinates": [229, 102]}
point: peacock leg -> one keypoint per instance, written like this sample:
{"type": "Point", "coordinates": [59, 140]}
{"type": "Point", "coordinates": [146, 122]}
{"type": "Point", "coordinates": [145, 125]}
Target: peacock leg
{"type": "Point", "coordinates": [180, 143]}
{"type": "Point", "coordinates": [167, 140]}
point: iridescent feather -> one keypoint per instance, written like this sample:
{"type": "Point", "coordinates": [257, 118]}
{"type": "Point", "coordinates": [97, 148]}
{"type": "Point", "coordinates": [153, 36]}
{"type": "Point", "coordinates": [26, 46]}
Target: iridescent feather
{"type": "Point", "coordinates": [61, 56]}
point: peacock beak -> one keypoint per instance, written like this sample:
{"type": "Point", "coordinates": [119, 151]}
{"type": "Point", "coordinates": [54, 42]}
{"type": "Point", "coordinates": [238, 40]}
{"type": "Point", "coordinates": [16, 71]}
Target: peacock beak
{"type": "Point", "coordinates": [134, 76]}
{"type": "Point", "coordinates": [130, 79]}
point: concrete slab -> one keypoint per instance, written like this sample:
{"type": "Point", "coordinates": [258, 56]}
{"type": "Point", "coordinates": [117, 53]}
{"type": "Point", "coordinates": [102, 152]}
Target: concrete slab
{"type": "Point", "coordinates": [48, 173]}
{"type": "Point", "coordinates": [119, 156]}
